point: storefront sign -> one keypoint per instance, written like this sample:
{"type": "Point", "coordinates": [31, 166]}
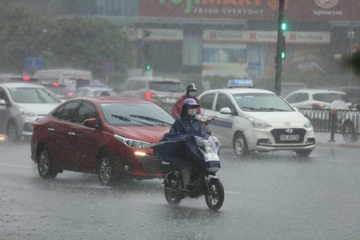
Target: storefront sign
{"type": "Point", "coordinates": [256, 10]}
{"type": "Point", "coordinates": [157, 34]}
{"type": "Point", "coordinates": [265, 37]}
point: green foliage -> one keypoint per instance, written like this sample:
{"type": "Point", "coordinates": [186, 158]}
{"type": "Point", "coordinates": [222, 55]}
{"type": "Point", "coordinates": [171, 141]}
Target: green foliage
{"type": "Point", "coordinates": [18, 37]}
{"type": "Point", "coordinates": [80, 42]}
{"type": "Point", "coordinates": [353, 63]}
{"type": "Point", "coordinates": [87, 43]}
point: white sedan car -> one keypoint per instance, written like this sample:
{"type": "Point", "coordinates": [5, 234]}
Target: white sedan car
{"type": "Point", "coordinates": [249, 119]}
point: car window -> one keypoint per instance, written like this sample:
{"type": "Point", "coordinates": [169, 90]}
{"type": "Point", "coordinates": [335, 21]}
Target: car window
{"type": "Point", "coordinates": [207, 100]}
{"type": "Point", "coordinates": [166, 86]}
{"type": "Point", "coordinates": [33, 95]}
{"type": "Point", "coordinates": [330, 97]}
{"type": "Point", "coordinates": [66, 112]}
{"type": "Point", "coordinates": [223, 101]}
{"type": "Point", "coordinates": [297, 97]}
{"type": "Point", "coordinates": [263, 102]}
{"type": "Point", "coordinates": [138, 85]}
{"type": "Point", "coordinates": [86, 110]}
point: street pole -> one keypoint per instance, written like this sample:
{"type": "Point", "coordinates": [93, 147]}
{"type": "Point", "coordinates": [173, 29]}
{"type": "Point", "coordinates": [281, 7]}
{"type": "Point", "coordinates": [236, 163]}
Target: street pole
{"type": "Point", "coordinates": [278, 60]}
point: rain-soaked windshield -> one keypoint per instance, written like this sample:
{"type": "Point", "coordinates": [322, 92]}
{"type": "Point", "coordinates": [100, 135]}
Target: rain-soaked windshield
{"type": "Point", "coordinates": [261, 102]}
{"type": "Point", "coordinates": [33, 95]}
{"type": "Point", "coordinates": [135, 114]}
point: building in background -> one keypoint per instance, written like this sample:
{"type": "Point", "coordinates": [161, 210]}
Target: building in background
{"type": "Point", "coordinates": [218, 37]}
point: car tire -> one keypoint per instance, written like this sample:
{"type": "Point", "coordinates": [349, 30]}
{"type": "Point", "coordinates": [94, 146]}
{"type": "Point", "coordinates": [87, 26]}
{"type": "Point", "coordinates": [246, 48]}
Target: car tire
{"type": "Point", "coordinates": [106, 170]}
{"type": "Point", "coordinates": [45, 167]}
{"type": "Point", "coordinates": [12, 132]}
{"type": "Point", "coordinates": [303, 153]}
{"type": "Point", "coordinates": [240, 145]}
{"type": "Point", "coordinates": [348, 132]}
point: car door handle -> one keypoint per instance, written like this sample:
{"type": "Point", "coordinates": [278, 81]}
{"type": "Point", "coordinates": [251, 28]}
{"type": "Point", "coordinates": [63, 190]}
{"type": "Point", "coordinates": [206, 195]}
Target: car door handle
{"type": "Point", "coordinates": [71, 134]}
{"type": "Point", "coordinates": [51, 130]}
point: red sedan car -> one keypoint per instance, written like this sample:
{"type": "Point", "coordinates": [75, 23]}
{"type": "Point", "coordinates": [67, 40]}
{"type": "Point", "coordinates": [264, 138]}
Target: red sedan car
{"type": "Point", "coordinates": [108, 136]}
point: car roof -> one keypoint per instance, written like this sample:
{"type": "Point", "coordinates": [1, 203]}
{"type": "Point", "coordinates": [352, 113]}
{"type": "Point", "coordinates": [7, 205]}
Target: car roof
{"type": "Point", "coordinates": [159, 79]}
{"type": "Point", "coordinates": [96, 88]}
{"type": "Point", "coordinates": [22, 85]}
{"type": "Point", "coordinates": [239, 90]}
{"type": "Point", "coordinates": [318, 91]}
{"type": "Point", "coordinates": [111, 99]}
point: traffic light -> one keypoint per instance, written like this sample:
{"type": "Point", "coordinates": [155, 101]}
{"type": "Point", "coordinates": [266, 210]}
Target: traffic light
{"type": "Point", "coordinates": [147, 67]}
{"type": "Point", "coordinates": [283, 47]}
{"type": "Point", "coordinates": [284, 26]}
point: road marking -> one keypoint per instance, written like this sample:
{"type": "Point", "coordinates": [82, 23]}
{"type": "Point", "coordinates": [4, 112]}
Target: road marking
{"type": "Point", "coordinates": [14, 166]}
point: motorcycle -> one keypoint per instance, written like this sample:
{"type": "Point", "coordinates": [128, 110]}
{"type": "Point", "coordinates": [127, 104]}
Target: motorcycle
{"type": "Point", "coordinates": [204, 120]}
{"type": "Point", "coordinates": [178, 183]}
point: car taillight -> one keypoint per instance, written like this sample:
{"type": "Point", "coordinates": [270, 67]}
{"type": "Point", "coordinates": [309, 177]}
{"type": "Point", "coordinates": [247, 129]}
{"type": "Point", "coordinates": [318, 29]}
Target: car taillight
{"type": "Point", "coordinates": [317, 106]}
{"type": "Point", "coordinates": [148, 95]}
{"type": "Point", "coordinates": [55, 84]}
{"type": "Point", "coordinates": [26, 78]}
{"type": "Point", "coordinates": [70, 94]}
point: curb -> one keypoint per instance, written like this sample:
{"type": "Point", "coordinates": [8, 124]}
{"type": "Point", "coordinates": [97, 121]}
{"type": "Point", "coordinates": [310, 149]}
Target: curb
{"type": "Point", "coordinates": [335, 144]}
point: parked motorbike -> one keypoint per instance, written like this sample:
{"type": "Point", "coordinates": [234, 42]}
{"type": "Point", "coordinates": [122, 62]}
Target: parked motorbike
{"type": "Point", "coordinates": [177, 185]}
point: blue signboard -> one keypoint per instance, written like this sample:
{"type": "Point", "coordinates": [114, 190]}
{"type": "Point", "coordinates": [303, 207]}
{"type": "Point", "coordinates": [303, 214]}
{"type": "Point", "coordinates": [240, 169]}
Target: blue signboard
{"type": "Point", "coordinates": [33, 63]}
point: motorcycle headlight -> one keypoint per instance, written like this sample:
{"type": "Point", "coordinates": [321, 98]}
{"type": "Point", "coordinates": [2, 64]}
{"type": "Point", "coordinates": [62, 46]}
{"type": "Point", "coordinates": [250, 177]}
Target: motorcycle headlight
{"type": "Point", "coordinates": [258, 124]}
{"type": "Point", "coordinates": [307, 123]}
{"type": "Point", "coordinates": [133, 143]}
{"type": "Point", "coordinates": [27, 113]}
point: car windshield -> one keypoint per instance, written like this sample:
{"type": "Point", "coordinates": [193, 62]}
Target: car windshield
{"type": "Point", "coordinates": [167, 86]}
{"type": "Point", "coordinates": [330, 97]}
{"type": "Point", "coordinates": [33, 95]}
{"type": "Point", "coordinates": [261, 102]}
{"type": "Point", "coordinates": [135, 114]}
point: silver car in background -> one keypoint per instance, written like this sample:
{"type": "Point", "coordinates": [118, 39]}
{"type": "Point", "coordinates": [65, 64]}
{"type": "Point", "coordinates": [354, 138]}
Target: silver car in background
{"type": "Point", "coordinates": [20, 105]}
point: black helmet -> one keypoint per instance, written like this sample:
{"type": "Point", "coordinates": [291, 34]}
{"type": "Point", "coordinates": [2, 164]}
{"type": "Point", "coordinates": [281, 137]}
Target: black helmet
{"type": "Point", "coordinates": [191, 87]}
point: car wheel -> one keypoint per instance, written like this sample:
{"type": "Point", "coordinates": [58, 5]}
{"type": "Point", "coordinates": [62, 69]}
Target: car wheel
{"type": "Point", "coordinates": [45, 167]}
{"type": "Point", "coordinates": [12, 132]}
{"type": "Point", "coordinates": [106, 170]}
{"type": "Point", "coordinates": [240, 145]}
{"type": "Point", "coordinates": [348, 132]}
{"type": "Point", "coordinates": [303, 153]}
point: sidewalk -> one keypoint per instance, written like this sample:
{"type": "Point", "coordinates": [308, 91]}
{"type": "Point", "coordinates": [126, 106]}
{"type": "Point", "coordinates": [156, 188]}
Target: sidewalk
{"type": "Point", "coordinates": [323, 139]}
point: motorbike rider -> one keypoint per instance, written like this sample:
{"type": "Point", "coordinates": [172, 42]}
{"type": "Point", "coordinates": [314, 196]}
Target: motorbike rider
{"type": "Point", "coordinates": [188, 124]}
{"type": "Point", "coordinates": [190, 93]}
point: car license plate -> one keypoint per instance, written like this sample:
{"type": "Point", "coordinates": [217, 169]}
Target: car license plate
{"type": "Point", "coordinates": [289, 137]}
{"type": "Point", "coordinates": [170, 100]}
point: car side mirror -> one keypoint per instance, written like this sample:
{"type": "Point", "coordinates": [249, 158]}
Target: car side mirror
{"type": "Point", "coordinates": [357, 106]}
{"type": "Point", "coordinates": [225, 110]}
{"type": "Point", "coordinates": [2, 102]}
{"type": "Point", "coordinates": [91, 122]}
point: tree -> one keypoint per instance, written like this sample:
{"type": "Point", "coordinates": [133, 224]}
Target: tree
{"type": "Point", "coordinates": [19, 34]}
{"type": "Point", "coordinates": [87, 43]}
{"type": "Point", "coordinates": [353, 62]}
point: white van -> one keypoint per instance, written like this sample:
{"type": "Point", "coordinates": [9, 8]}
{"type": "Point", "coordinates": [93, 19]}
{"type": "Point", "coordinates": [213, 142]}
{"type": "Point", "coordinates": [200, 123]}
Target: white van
{"type": "Point", "coordinates": [72, 78]}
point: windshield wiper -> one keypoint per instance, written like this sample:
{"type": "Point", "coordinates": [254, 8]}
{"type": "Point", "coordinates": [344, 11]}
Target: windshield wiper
{"type": "Point", "coordinates": [122, 118]}
{"type": "Point", "coordinates": [150, 119]}
{"type": "Point", "coordinates": [273, 109]}
{"type": "Point", "coordinates": [251, 108]}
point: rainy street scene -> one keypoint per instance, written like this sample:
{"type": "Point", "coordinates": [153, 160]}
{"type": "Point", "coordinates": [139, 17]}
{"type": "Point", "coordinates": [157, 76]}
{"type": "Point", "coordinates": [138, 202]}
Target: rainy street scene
{"type": "Point", "coordinates": [179, 119]}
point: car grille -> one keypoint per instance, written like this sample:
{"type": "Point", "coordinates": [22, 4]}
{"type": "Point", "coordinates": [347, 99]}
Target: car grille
{"type": "Point", "coordinates": [288, 131]}
{"type": "Point", "coordinates": [152, 164]}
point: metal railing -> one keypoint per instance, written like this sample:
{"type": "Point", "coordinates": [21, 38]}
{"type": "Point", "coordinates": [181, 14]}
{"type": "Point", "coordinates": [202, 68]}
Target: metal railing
{"type": "Point", "coordinates": [332, 120]}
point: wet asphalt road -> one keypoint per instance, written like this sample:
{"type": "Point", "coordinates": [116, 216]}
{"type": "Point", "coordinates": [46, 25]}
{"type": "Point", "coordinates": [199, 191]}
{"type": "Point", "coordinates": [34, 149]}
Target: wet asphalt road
{"type": "Point", "coordinates": [267, 196]}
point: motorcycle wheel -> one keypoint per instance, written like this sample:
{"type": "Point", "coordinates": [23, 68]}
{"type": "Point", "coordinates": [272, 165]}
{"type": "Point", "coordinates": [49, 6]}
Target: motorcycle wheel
{"type": "Point", "coordinates": [171, 195]}
{"type": "Point", "coordinates": [215, 195]}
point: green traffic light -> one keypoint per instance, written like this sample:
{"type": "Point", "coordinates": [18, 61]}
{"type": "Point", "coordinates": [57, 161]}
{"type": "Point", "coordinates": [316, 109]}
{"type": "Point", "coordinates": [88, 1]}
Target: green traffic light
{"type": "Point", "coordinates": [283, 55]}
{"type": "Point", "coordinates": [284, 26]}
{"type": "Point", "coordinates": [148, 68]}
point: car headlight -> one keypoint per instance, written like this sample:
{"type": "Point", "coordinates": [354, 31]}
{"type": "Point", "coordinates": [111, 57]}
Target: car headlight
{"type": "Point", "coordinates": [27, 113]}
{"type": "Point", "coordinates": [133, 143]}
{"type": "Point", "coordinates": [307, 123]}
{"type": "Point", "coordinates": [258, 124]}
